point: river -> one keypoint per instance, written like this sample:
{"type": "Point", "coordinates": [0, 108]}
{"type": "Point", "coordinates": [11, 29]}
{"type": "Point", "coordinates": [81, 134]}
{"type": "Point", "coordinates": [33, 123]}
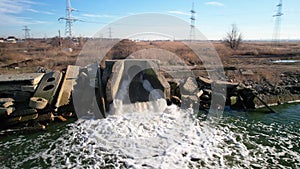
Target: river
{"type": "Point", "coordinates": [170, 139]}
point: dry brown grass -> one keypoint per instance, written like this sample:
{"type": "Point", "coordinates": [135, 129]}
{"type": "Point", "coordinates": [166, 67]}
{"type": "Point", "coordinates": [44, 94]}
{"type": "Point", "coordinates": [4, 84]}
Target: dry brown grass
{"type": "Point", "coordinates": [28, 56]}
{"type": "Point", "coordinates": [259, 49]}
{"type": "Point", "coordinates": [254, 56]}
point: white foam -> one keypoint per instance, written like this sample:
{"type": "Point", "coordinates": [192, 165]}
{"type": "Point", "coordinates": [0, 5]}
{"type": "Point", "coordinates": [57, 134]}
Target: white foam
{"type": "Point", "coordinates": [172, 138]}
{"type": "Point", "coordinates": [168, 139]}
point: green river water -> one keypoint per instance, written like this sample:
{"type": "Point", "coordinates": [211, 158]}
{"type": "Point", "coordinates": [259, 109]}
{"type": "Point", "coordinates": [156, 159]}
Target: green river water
{"type": "Point", "coordinates": [253, 139]}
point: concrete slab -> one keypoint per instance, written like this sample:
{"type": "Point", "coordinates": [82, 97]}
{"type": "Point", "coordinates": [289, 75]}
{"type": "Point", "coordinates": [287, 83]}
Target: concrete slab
{"type": "Point", "coordinates": [136, 74]}
{"type": "Point", "coordinates": [17, 87]}
{"type": "Point", "coordinates": [29, 88]}
{"type": "Point", "coordinates": [190, 86]}
{"type": "Point", "coordinates": [28, 78]}
{"type": "Point", "coordinates": [92, 72]}
{"type": "Point", "coordinates": [67, 86]}
{"type": "Point", "coordinates": [114, 84]}
{"type": "Point", "coordinates": [29, 117]}
{"type": "Point", "coordinates": [48, 86]}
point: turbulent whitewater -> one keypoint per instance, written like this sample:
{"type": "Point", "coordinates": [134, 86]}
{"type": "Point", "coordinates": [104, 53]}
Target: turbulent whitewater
{"type": "Point", "coordinates": [172, 138]}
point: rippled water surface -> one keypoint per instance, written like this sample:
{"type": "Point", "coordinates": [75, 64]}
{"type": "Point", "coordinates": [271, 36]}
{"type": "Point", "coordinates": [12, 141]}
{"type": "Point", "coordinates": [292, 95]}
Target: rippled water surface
{"type": "Point", "coordinates": [170, 139]}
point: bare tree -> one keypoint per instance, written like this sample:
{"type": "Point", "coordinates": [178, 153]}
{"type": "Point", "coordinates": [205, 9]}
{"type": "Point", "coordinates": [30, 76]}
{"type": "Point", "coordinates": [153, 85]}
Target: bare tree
{"type": "Point", "coordinates": [233, 38]}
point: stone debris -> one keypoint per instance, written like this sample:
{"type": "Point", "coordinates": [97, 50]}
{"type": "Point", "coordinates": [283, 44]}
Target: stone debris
{"type": "Point", "coordinates": [26, 78]}
{"type": "Point", "coordinates": [38, 102]}
{"type": "Point", "coordinates": [48, 86]}
{"type": "Point", "coordinates": [190, 86]}
{"type": "Point", "coordinates": [67, 86]}
{"type": "Point", "coordinates": [31, 101]}
{"type": "Point", "coordinates": [6, 102]}
{"type": "Point", "coordinates": [6, 111]}
{"type": "Point", "coordinates": [246, 72]}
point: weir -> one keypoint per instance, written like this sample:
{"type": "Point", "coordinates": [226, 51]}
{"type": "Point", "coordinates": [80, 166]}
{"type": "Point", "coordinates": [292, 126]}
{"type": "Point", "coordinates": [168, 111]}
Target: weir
{"type": "Point", "coordinates": [134, 85]}
{"type": "Point", "coordinates": [132, 81]}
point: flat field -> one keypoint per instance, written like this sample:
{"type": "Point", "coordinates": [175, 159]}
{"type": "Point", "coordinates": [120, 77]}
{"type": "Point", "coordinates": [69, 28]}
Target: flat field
{"type": "Point", "coordinates": [253, 61]}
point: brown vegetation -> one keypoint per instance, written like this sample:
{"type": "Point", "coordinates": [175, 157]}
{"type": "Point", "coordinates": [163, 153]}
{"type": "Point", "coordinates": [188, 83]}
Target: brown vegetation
{"type": "Point", "coordinates": [253, 57]}
{"type": "Point", "coordinates": [233, 38]}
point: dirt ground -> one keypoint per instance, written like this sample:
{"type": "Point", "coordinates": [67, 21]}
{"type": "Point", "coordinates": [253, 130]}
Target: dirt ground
{"type": "Point", "coordinates": [253, 61]}
{"type": "Point", "coordinates": [271, 70]}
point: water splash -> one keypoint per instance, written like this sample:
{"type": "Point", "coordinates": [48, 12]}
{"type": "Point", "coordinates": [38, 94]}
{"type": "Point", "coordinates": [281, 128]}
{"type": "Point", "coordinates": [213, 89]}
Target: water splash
{"type": "Point", "coordinates": [173, 138]}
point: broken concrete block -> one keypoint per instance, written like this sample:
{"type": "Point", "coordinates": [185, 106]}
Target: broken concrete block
{"type": "Point", "coordinates": [38, 103]}
{"type": "Point", "coordinates": [200, 93]}
{"type": "Point", "coordinates": [6, 102]}
{"type": "Point", "coordinates": [92, 72]}
{"type": "Point", "coordinates": [140, 75]}
{"type": "Point", "coordinates": [6, 111]}
{"type": "Point", "coordinates": [190, 86]}
{"type": "Point", "coordinates": [29, 117]}
{"type": "Point", "coordinates": [27, 78]}
{"type": "Point", "coordinates": [48, 86]}
{"type": "Point", "coordinates": [165, 85]}
{"type": "Point", "coordinates": [28, 88]}
{"type": "Point", "coordinates": [204, 80]}
{"type": "Point", "coordinates": [113, 83]}
{"type": "Point", "coordinates": [67, 86]}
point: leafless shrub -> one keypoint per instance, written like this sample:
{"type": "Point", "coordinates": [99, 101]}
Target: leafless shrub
{"type": "Point", "coordinates": [233, 38]}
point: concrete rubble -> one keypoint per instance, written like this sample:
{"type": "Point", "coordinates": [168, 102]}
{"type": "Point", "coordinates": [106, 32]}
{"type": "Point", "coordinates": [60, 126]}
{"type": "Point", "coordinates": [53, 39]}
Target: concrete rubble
{"type": "Point", "coordinates": [33, 100]}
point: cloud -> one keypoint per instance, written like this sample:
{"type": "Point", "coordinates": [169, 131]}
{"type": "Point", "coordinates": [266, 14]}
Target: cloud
{"type": "Point", "coordinates": [97, 16]}
{"type": "Point", "coordinates": [179, 13]}
{"type": "Point", "coordinates": [10, 12]}
{"type": "Point", "coordinates": [41, 12]}
{"type": "Point", "coordinates": [214, 3]}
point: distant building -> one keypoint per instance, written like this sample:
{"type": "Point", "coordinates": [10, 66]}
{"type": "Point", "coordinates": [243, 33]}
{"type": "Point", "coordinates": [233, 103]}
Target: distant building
{"type": "Point", "coordinates": [11, 39]}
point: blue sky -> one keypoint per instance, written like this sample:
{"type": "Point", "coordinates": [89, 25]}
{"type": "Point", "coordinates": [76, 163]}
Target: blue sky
{"type": "Point", "coordinates": [213, 18]}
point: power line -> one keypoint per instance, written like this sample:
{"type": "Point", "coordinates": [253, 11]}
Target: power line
{"type": "Point", "coordinates": [69, 19]}
{"type": "Point", "coordinates": [26, 32]}
{"type": "Point", "coordinates": [193, 19]}
{"type": "Point", "coordinates": [110, 33]}
{"type": "Point", "coordinates": [277, 16]}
